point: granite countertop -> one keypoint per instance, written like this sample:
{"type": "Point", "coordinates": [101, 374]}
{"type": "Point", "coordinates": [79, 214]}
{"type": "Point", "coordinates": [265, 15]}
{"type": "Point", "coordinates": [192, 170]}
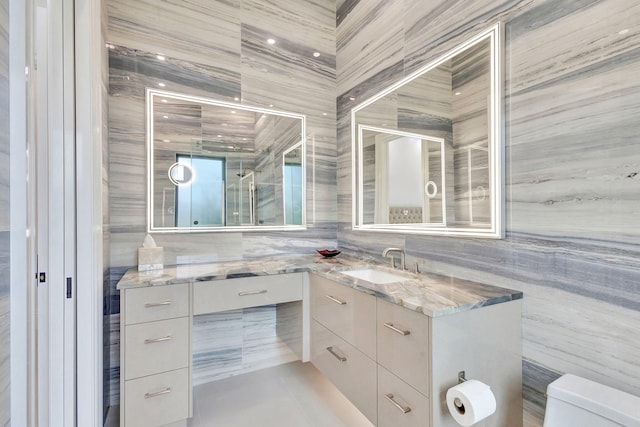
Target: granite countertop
{"type": "Point", "coordinates": [428, 293]}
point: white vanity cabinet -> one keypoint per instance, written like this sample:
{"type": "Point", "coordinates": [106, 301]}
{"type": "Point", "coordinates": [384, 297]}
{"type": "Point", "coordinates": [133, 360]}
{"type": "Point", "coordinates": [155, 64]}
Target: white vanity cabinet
{"type": "Point", "coordinates": [221, 295]}
{"type": "Point", "coordinates": [156, 338]}
{"type": "Point", "coordinates": [155, 386]}
{"type": "Point", "coordinates": [343, 341]}
{"type": "Point", "coordinates": [417, 357]}
{"type": "Point", "coordinates": [403, 366]}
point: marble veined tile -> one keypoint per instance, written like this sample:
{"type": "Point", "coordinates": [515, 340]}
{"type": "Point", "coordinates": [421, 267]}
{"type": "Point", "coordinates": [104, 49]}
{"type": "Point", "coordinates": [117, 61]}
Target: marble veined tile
{"type": "Point", "coordinates": [286, 75]}
{"type": "Point", "coordinates": [261, 346]}
{"type": "Point", "coordinates": [433, 28]}
{"type": "Point", "coordinates": [588, 340]}
{"type": "Point", "coordinates": [361, 52]}
{"type": "Point", "coordinates": [217, 345]}
{"type": "Point", "coordinates": [575, 164]}
{"type": "Point", "coordinates": [235, 342]}
{"type": "Point", "coordinates": [201, 31]}
{"type": "Point", "coordinates": [311, 23]}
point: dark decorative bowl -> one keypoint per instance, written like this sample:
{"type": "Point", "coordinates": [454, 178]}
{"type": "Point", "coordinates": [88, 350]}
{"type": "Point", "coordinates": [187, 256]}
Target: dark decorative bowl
{"type": "Point", "coordinates": [328, 253]}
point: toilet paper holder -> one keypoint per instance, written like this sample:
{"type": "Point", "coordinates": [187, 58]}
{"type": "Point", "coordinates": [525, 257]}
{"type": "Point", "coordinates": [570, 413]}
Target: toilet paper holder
{"type": "Point", "coordinates": [461, 377]}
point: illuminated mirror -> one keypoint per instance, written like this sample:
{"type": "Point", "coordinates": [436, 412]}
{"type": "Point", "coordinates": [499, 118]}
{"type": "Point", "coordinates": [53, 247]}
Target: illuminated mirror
{"type": "Point", "coordinates": [427, 151]}
{"type": "Point", "coordinates": [219, 166]}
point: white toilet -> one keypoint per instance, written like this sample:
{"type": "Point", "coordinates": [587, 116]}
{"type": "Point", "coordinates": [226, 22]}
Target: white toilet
{"type": "Point", "coordinates": [576, 402]}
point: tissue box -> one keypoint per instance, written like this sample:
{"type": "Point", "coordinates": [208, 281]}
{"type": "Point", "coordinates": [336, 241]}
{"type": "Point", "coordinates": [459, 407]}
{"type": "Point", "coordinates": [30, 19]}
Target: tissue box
{"type": "Point", "coordinates": [150, 259]}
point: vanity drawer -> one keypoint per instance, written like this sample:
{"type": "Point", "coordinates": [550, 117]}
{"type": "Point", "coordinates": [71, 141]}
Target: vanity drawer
{"type": "Point", "coordinates": [221, 295]}
{"type": "Point", "coordinates": [353, 373]}
{"type": "Point", "coordinates": [348, 313]}
{"type": "Point", "coordinates": [399, 404]}
{"type": "Point", "coordinates": [403, 344]}
{"type": "Point", "coordinates": [157, 399]}
{"type": "Point", "coordinates": [156, 303]}
{"type": "Point", "coordinates": [156, 347]}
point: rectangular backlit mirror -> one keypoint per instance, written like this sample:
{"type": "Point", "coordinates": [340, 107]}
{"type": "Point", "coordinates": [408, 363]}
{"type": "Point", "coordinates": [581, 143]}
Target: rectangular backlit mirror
{"type": "Point", "coordinates": [427, 151]}
{"type": "Point", "coordinates": [219, 166]}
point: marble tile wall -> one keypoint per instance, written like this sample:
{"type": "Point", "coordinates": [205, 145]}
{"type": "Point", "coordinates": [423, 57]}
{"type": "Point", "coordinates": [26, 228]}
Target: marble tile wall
{"type": "Point", "coordinates": [5, 324]}
{"type": "Point", "coordinates": [106, 290]}
{"type": "Point", "coordinates": [217, 49]}
{"type": "Point", "coordinates": [572, 169]}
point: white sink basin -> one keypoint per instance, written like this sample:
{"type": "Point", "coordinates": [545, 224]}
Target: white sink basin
{"type": "Point", "coordinates": [375, 276]}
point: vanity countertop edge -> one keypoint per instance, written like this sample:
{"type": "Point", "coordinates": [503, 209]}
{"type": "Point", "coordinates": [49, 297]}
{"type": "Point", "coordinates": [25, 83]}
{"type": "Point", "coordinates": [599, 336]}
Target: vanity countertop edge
{"type": "Point", "coordinates": [428, 293]}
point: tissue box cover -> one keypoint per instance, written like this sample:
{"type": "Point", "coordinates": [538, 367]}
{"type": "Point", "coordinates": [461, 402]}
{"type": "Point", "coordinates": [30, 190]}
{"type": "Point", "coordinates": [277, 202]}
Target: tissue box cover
{"type": "Point", "coordinates": [150, 259]}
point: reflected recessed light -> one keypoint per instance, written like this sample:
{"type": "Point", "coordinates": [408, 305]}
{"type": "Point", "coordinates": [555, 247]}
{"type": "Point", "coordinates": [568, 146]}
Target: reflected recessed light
{"type": "Point", "coordinates": [316, 54]}
{"type": "Point", "coordinates": [457, 93]}
{"type": "Point", "coordinates": [271, 41]}
{"type": "Point", "coordinates": [233, 112]}
{"type": "Point", "coordinates": [623, 32]}
{"type": "Point", "coordinates": [324, 114]}
{"type": "Point", "coordinates": [165, 101]}
{"type": "Point", "coordinates": [244, 139]}
{"type": "Point", "coordinates": [219, 136]}
{"type": "Point", "coordinates": [161, 57]}
{"type": "Point", "coordinates": [161, 84]}
{"type": "Point", "coordinates": [109, 46]}
{"type": "Point", "coordinates": [225, 124]}
{"type": "Point", "coordinates": [166, 117]}
{"type": "Point", "coordinates": [166, 140]}
{"type": "Point", "coordinates": [352, 98]}
{"type": "Point", "coordinates": [236, 99]}
{"type": "Point", "coordinates": [270, 105]}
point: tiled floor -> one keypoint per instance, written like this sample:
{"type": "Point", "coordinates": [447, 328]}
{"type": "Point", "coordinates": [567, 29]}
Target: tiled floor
{"type": "Point", "coordinates": [294, 394]}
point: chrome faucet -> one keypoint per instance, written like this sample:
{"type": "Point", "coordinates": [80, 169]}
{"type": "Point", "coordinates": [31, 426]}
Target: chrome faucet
{"type": "Point", "coordinates": [386, 252]}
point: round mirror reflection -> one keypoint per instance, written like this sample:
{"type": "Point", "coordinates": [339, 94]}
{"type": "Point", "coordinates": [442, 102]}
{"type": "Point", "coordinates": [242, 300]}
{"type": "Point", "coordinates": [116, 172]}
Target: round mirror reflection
{"type": "Point", "coordinates": [180, 174]}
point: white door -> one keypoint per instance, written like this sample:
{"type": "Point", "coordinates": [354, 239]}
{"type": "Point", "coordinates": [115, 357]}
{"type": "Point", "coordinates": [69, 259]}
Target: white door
{"type": "Point", "coordinates": [53, 213]}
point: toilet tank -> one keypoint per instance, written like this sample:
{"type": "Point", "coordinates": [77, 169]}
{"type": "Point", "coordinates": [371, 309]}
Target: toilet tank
{"type": "Point", "coordinates": [574, 401]}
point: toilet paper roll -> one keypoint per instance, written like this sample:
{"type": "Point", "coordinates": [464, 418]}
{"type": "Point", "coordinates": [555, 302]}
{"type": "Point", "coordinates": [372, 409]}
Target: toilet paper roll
{"type": "Point", "coordinates": [470, 402]}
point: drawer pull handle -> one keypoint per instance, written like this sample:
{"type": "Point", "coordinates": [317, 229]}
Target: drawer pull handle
{"type": "Point", "coordinates": [157, 393]}
{"type": "Point", "coordinates": [394, 329]}
{"type": "Point", "coordinates": [157, 304]}
{"type": "Point", "coordinates": [404, 409]}
{"type": "Point", "coordinates": [245, 293]}
{"type": "Point", "coordinates": [155, 340]}
{"type": "Point", "coordinates": [336, 300]}
{"type": "Point", "coordinates": [336, 355]}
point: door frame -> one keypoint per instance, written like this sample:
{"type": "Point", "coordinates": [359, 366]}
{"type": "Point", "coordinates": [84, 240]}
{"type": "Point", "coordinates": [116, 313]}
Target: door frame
{"type": "Point", "coordinates": [88, 87]}
{"type": "Point", "coordinates": [91, 90]}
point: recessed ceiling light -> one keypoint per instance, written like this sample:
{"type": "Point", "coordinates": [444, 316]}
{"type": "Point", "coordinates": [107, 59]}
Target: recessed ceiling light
{"type": "Point", "coordinates": [233, 112]}
{"type": "Point", "coordinates": [165, 101]}
{"type": "Point", "coordinates": [458, 93]}
{"type": "Point", "coordinates": [161, 57]}
{"type": "Point", "coordinates": [352, 98]}
{"type": "Point", "coordinates": [270, 105]}
{"type": "Point", "coordinates": [244, 139]}
{"type": "Point", "coordinates": [316, 54]}
{"type": "Point", "coordinates": [271, 41]}
{"type": "Point", "coordinates": [324, 114]}
{"type": "Point", "coordinates": [166, 117]}
{"type": "Point", "coordinates": [236, 99]}
{"type": "Point", "coordinates": [219, 136]}
{"type": "Point", "coordinates": [161, 84]}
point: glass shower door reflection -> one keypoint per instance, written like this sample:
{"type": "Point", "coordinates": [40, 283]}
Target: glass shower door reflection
{"type": "Point", "coordinates": [200, 202]}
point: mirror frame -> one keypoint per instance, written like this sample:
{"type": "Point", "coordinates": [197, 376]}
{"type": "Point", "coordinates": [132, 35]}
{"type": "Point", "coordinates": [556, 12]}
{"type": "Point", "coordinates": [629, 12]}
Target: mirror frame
{"type": "Point", "coordinates": [496, 142]}
{"type": "Point", "coordinates": [150, 94]}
